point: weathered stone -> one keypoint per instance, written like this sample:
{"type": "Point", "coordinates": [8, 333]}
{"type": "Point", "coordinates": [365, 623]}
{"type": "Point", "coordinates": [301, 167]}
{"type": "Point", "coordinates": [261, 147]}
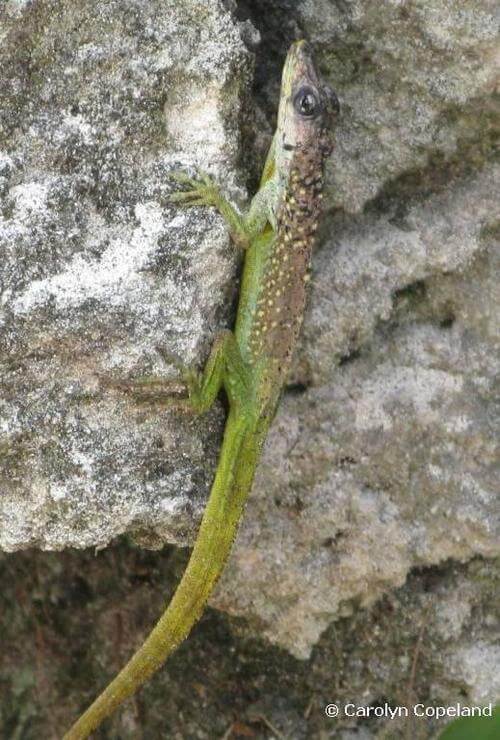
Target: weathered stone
{"type": "Point", "coordinates": [71, 619]}
{"type": "Point", "coordinates": [98, 270]}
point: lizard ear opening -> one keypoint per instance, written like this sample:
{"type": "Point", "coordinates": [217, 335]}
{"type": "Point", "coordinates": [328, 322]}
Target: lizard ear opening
{"type": "Point", "coordinates": [333, 101]}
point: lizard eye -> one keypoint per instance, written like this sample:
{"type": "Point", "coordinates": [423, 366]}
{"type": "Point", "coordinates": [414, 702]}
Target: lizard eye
{"type": "Point", "coordinates": [306, 103]}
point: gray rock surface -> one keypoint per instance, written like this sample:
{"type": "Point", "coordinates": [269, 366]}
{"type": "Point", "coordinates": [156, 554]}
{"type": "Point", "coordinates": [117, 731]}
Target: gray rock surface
{"type": "Point", "coordinates": [416, 81]}
{"type": "Point", "coordinates": [98, 271]}
{"type": "Point", "coordinates": [389, 461]}
{"type": "Point", "coordinates": [386, 461]}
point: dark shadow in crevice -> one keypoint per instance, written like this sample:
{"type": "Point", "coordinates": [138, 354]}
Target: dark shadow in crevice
{"type": "Point", "coordinates": [278, 27]}
{"type": "Point", "coordinates": [412, 292]}
{"type": "Point", "coordinates": [441, 170]}
{"type": "Point", "coordinates": [349, 357]}
{"type": "Point", "coordinates": [296, 389]}
{"type": "Point", "coordinates": [447, 322]}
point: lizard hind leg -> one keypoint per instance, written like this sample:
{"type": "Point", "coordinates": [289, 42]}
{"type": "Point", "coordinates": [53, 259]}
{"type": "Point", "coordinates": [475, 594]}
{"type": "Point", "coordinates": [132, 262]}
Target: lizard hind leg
{"type": "Point", "coordinates": [226, 369]}
{"type": "Point", "coordinates": [193, 392]}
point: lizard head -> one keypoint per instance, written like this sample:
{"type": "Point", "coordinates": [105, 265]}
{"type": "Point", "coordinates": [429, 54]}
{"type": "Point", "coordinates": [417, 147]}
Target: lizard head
{"type": "Point", "coordinates": [307, 108]}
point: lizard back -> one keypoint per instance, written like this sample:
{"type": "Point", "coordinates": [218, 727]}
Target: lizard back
{"type": "Point", "coordinates": [282, 296]}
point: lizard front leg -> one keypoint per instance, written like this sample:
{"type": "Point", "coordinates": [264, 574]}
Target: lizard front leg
{"type": "Point", "coordinates": [243, 228]}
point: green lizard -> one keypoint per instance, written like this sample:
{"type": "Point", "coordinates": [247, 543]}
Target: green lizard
{"type": "Point", "coordinates": [251, 363]}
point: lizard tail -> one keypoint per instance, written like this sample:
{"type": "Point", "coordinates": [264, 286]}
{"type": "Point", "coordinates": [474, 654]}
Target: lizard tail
{"type": "Point", "coordinates": [233, 480]}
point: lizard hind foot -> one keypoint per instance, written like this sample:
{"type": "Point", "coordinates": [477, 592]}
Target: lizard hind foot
{"type": "Point", "coordinates": [172, 394]}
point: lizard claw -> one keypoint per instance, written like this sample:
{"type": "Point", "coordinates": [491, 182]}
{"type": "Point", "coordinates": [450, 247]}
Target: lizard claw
{"type": "Point", "coordinates": [180, 176]}
{"type": "Point", "coordinates": [187, 199]}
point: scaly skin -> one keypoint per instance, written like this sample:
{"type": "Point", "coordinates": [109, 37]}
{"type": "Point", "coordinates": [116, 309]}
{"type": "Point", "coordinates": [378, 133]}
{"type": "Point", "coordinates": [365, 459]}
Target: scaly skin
{"type": "Point", "coordinates": [250, 364]}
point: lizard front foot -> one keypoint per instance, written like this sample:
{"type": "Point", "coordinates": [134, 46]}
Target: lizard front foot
{"type": "Point", "coordinates": [202, 192]}
{"type": "Point", "coordinates": [205, 192]}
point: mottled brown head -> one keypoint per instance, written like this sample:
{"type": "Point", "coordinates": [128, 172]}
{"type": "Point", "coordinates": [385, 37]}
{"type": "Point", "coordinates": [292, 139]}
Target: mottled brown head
{"type": "Point", "coordinates": [307, 109]}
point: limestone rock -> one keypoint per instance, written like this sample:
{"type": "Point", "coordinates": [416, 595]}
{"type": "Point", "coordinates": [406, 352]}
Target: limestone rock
{"type": "Point", "coordinates": [99, 273]}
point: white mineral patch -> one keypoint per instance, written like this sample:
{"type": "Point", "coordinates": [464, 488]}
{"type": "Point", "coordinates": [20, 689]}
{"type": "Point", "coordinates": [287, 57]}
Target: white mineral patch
{"type": "Point", "coordinates": [169, 505]}
{"type": "Point", "coordinates": [118, 267]}
{"type": "Point", "coordinates": [79, 124]}
{"type": "Point", "coordinates": [478, 667]}
{"type": "Point", "coordinates": [29, 197]}
{"type": "Point", "coordinates": [196, 122]}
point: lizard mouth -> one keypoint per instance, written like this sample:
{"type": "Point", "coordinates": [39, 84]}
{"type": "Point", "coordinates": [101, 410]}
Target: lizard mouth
{"type": "Point", "coordinates": [301, 60]}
